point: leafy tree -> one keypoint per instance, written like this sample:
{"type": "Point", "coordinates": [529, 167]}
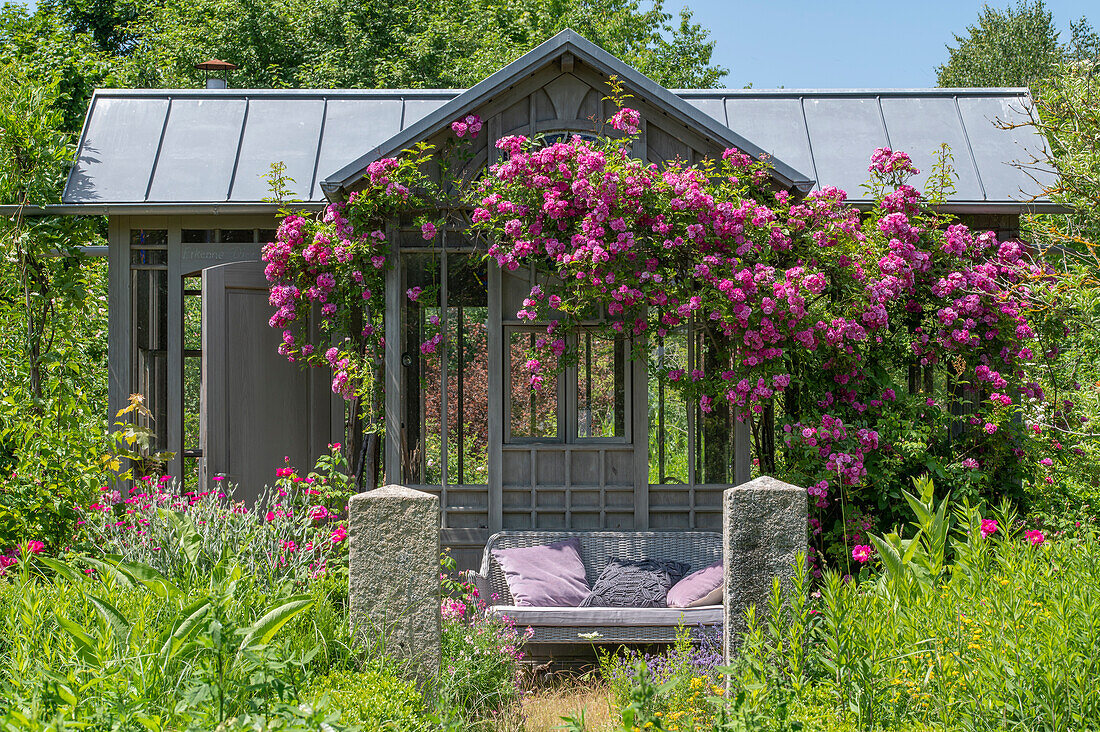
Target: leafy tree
{"type": "Point", "coordinates": [52, 325]}
{"type": "Point", "coordinates": [50, 50]}
{"type": "Point", "coordinates": [1010, 47]}
{"type": "Point", "coordinates": [406, 43]}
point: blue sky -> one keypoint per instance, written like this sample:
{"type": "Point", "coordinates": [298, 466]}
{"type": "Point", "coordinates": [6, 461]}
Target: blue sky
{"type": "Point", "coordinates": [851, 43]}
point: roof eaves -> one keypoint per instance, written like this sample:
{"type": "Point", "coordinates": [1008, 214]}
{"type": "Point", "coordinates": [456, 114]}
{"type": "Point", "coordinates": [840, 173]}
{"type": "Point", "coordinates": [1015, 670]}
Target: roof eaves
{"type": "Point", "coordinates": [162, 208]}
{"type": "Point", "coordinates": [339, 182]}
{"type": "Point", "coordinates": [279, 93]}
{"type": "Point", "coordinates": [857, 92]}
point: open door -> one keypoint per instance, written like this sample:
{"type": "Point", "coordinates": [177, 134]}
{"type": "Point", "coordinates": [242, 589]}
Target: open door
{"type": "Point", "coordinates": [257, 407]}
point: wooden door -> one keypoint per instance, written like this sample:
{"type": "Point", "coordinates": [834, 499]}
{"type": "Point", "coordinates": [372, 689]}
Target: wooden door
{"type": "Point", "coordinates": [257, 407]}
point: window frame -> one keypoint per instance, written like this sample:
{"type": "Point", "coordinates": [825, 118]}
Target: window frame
{"type": "Point", "coordinates": [567, 394]}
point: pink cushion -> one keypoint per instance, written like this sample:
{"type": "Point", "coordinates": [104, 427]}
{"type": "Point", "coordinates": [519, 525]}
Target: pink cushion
{"type": "Point", "coordinates": [700, 588]}
{"type": "Point", "coordinates": [545, 576]}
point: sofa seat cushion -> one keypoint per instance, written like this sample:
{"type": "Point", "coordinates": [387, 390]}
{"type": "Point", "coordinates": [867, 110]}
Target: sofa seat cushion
{"type": "Point", "coordinates": [591, 617]}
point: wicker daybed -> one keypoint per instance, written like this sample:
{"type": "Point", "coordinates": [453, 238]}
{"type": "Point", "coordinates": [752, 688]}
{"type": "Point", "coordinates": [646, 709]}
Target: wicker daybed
{"type": "Point", "coordinates": [613, 624]}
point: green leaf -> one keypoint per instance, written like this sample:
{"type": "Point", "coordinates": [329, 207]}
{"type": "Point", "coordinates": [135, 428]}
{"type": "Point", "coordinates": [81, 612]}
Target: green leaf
{"type": "Point", "coordinates": [86, 645]}
{"type": "Point", "coordinates": [62, 570]}
{"type": "Point", "coordinates": [890, 558]}
{"type": "Point", "coordinates": [111, 569]}
{"type": "Point", "coordinates": [263, 630]}
{"type": "Point", "coordinates": [189, 621]}
{"type": "Point", "coordinates": [146, 575]}
{"type": "Point", "coordinates": [118, 622]}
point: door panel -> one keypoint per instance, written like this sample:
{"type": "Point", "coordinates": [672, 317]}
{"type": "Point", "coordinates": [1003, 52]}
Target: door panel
{"type": "Point", "coordinates": [257, 407]}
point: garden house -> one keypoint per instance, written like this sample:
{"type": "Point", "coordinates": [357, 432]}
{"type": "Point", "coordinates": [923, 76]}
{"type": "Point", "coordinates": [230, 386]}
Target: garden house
{"type": "Point", "coordinates": [179, 174]}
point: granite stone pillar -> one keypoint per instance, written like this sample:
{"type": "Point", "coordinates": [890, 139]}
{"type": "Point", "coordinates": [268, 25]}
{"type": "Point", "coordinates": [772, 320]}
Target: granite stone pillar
{"type": "Point", "coordinates": [763, 530]}
{"type": "Point", "coordinates": [393, 573]}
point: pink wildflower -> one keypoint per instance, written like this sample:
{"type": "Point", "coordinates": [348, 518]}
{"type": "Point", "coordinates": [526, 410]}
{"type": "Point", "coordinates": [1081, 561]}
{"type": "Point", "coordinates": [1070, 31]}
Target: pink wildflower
{"type": "Point", "coordinates": [861, 553]}
{"type": "Point", "coordinates": [1035, 536]}
{"type": "Point", "coordinates": [989, 527]}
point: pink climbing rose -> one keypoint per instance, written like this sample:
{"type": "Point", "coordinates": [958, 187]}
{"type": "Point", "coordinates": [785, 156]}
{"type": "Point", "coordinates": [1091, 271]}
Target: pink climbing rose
{"type": "Point", "coordinates": [627, 120]}
{"type": "Point", "coordinates": [468, 125]}
{"type": "Point", "coordinates": [861, 553]}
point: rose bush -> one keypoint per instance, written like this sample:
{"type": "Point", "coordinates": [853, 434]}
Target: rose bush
{"type": "Point", "coordinates": [806, 306]}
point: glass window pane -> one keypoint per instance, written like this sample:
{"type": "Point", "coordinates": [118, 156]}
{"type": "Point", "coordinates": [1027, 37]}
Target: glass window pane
{"type": "Point", "coordinates": [237, 236]}
{"type": "Point", "coordinates": [148, 238]}
{"type": "Point", "coordinates": [149, 256]}
{"type": "Point", "coordinates": [192, 313]}
{"type": "Point", "coordinates": [601, 386]}
{"type": "Point", "coordinates": [467, 347]}
{"type": "Point", "coordinates": [149, 329]}
{"type": "Point", "coordinates": [668, 414]}
{"type": "Point", "coordinates": [421, 424]}
{"type": "Point", "coordinates": [714, 431]}
{"type": "Point", "coordinates": [192, 392]}
{"type": "Point", "coordinates": [197, 236]}
{"type": "Point", "coordinates": [533, 413]}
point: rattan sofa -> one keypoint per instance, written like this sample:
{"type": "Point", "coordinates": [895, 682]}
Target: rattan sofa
{"type": "Point", "coordinates": [614, 625]}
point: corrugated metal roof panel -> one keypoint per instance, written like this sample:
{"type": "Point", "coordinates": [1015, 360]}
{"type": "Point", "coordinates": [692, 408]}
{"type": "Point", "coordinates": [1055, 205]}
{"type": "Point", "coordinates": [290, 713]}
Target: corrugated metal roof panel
{"type": "Point", "coordinates": [278, 130]}
{"type": "Point", "coordinates": [547, 55]}
{"type": "Point", "coordinates": [198, 150]}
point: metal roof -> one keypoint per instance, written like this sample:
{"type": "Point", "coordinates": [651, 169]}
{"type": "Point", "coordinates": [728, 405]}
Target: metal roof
{"type": "Point", "coordinates": [549, 52]}
{"type": "Point", "coordinates": [206, 150]}
{"type": "Point", "coordinates": [832, 133]}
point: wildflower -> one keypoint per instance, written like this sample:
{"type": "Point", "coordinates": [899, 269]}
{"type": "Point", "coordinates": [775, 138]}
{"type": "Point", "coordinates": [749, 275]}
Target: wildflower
{"type": "Point", "coordinates": [861, 553]}
{"type": "Point", "coordinates": [35, 547]}
{"type": "Point", "coordinates": [989, 527]}
{"type": "Point", "coordinates": [1035, 536]}
{"type": "Point", "coordinates": [318, 513]}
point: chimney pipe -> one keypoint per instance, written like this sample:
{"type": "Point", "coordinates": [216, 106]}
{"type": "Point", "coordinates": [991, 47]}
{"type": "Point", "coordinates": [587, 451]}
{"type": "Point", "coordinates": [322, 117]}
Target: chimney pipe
{"type": "Point", "coordinates": [216, 73]}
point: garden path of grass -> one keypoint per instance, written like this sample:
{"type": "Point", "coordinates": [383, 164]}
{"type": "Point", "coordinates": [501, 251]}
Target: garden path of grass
{"type": "Point", "coordinates": [547, 702]}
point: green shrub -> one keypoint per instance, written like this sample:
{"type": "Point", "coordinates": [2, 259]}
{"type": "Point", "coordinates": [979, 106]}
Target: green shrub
{"type": "Point", "coordinates": [479, 683]}
{"type": "Point", "coordinates": [375, 698]}
{"type": "Point", "coordinates": [969, 623]}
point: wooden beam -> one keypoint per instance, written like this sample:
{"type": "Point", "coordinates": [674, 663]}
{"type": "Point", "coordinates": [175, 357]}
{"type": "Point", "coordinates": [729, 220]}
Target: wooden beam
{"type": "Point", "coordinates": [567, 62]}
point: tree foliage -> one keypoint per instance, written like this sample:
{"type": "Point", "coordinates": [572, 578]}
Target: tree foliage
{"type": "Point", "coordinates": [1011, 47]}
{"type": "Point", "coordinates": [84, 44]}
{"type": "Point", "coordinates": [52, 325]}
{"type": "Point", "coordinates": [408, 43]}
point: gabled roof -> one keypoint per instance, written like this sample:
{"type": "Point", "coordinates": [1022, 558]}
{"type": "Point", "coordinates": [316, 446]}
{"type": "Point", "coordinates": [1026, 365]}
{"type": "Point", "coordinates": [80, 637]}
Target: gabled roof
{"type": "Point", "coordinates": [568, 41]}
{"type": "Point", "coordinates": [155, 151]}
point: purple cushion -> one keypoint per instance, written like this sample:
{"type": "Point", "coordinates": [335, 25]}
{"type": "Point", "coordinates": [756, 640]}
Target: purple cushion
{"type": "Point", "coordinates": [700, 588]}
{"type": "Point", "coordinates": [545, 576]}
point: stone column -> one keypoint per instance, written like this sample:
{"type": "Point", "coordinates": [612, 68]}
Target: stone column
{"type": "Point", "coordinates": [393, 572]}
{"type": "Point", "coordinates": [763, 530]}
